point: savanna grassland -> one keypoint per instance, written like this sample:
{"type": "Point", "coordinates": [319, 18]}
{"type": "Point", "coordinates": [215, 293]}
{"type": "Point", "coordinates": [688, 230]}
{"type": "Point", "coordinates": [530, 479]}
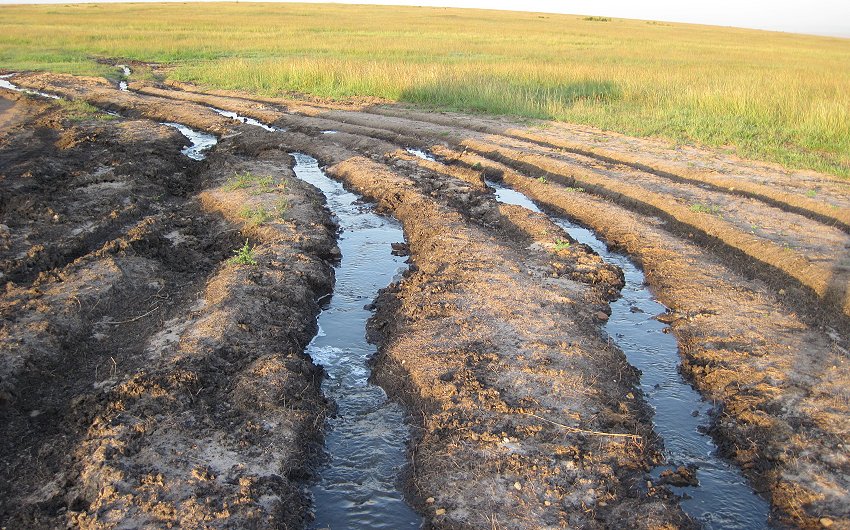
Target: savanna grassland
{"type": "Point", "coordinates": [158, 299]}
{"type": "Point", "coordinates": [771, 96]}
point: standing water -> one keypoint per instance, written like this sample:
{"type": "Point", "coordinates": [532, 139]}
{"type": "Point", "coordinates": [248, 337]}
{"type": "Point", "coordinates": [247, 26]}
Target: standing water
{"type": "Point", "coordinates": [201, 142]}
{"type": "Point", "coordinates": [419, 153]}
{"type": "Point", "coordinates": [244, 119]}
{"type": "Point", "coordinates": [723, 499]}
{"type": "Point", "coordinates": [366, 440]}
{"type": "Point", "coordinates": [125, 70]}
{"type": "Point", "coordinates": [5, 83]}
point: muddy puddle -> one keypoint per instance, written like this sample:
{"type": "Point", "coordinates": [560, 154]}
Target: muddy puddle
{"type": "Point", "coordinates": [125, 71]}
{"type": "Point", "coordinates": [366, 439]}
{"type": "Point", "coordinates": [244, 119]}
{"type": "Point", "coordinates": [419, 153]}
{"type": "Point", "coordinates": [722, 499]}
{"type": "Point", "coordinates": [200, 142]}
{"type": "Point", "coordinates": [5, 83]}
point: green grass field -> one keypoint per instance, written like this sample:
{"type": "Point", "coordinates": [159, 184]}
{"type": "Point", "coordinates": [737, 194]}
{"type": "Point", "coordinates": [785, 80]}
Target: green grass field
{"type": "Point", "coordinates": [771, 96]}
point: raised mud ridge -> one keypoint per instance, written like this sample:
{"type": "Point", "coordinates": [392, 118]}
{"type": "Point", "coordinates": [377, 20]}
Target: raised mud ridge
{"type": "Point", "coordinates": [691, 466]}
{"type": "Point", "coordinates": [524, 415]}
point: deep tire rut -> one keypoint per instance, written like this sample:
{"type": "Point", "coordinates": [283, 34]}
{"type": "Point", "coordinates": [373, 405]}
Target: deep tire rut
{"type": "Point", "coordinates": [492, 340]}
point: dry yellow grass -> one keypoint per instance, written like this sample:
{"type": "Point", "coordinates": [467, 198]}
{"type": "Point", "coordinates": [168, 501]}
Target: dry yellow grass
{"type": "Point", "coordinates": [773, 96]}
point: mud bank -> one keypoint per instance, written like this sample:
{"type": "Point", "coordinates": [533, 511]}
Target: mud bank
{"type": "Point", "coordinates": [147, 380]}
{"type": "Point", "coordinates": [751, 259]}
{"type": "Point", "coordinates": [520, 399]}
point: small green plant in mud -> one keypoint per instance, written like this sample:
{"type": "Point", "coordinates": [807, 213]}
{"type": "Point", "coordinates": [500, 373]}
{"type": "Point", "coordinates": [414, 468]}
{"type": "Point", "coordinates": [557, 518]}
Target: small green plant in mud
{"type": "Point", "coordinates": [281, 207]}
{"type": "Point", "coordinates": [561, 244]}
{"type": "Point", "coordinates": [239, 181]}
{"type": "Point", "coordinates": [244, 255]}
{"type": "Point", "coordinates": [255, 216]}
{"type": "Point", "coordinates": [264, 184]}
{"type": "Point", "coordinates": [712, 209]}
{"type": "Point", "coordinates": [811, 194]}
{"type": "Point", "coordinates": [541, 180]}
{"type": "Point", "coordinates": [78, 110]}
{"type": "Point", "coordinates": [477, 166]}
{"type": "Point", "coordinates": [574, 190]}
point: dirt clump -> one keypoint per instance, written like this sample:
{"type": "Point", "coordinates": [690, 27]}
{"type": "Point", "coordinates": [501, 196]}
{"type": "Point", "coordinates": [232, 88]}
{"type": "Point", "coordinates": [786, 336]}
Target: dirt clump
{"type": "Point", "coordinates": [146, 378]}
{"type": "Point", "coordinates": [681, 476]}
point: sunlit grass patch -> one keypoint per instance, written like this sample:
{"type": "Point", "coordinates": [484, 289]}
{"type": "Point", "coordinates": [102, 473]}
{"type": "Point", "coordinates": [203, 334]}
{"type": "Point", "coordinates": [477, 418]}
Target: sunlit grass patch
{"type": "Point", "coordinates": [771, 96]}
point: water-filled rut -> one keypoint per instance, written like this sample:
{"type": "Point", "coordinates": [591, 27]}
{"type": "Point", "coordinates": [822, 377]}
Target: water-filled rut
{"type": "Point", "coordinates": [201, 142]}
{"type": "Point", "coordinates": [5, 83]}
{"type": "Point", "coordinates": [366, 438]}
{"type": "Point", "coordinates": [722, 498]}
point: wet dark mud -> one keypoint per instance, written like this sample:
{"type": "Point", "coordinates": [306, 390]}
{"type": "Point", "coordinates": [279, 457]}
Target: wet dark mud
{"type": "Point", "coordinates": [523, 414]}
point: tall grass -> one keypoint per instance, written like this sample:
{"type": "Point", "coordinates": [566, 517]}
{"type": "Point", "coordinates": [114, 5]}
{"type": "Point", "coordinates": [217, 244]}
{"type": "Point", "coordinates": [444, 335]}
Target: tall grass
{"type": "Point", "coordinates": [772, 96]}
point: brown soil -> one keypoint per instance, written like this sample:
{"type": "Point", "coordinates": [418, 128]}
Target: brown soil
{"type": "Point", "coordinates": [120, 305]}
{"type": "Point", "coordinates": [145, 380]}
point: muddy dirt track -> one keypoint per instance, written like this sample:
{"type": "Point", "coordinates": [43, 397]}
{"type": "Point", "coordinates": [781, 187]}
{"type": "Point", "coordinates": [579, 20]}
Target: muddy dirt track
{"type": "Point", "coordinates": [146, 380]}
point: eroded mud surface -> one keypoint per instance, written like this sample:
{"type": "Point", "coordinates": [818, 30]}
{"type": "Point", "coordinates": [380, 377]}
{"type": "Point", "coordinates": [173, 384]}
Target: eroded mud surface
{"type": "Point", "coordinates": [132, 350]}
{"type": "Point", "coordinates": [145, 380]}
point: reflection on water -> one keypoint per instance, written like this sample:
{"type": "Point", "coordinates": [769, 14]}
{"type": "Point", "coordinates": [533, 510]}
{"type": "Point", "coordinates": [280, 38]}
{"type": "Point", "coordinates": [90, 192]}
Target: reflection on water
{"type": "Point", "coordinates": [420, 153]}
{"type": "Point", "coordinates": [723, 498]}
{"type": "Point", "coordinates": [201, 141]}
{"type": "Point", "coordinates": [366, 440]}
{"type": "Point", "coordinates": [244, 119]}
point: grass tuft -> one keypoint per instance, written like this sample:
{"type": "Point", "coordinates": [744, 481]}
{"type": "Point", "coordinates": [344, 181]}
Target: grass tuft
{"type": "Point", "coordinates": [255, 216]}
{"type": "Point", "coordinates": [243, 255]}
{"type": "Point", "coordinates": [711, 209]}
{"type": "Point", "coordinates": [262, 184]}
{"type": "Point", "coordinates": [561, 244]}
{"type": "Point", "coordinates": [78, 110]}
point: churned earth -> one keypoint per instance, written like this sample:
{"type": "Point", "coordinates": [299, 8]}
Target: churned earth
{"type": "Point", "coordinates": [147, 379]}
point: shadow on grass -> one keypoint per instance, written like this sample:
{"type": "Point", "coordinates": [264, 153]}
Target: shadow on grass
{"type": "Point", "coordinates": [505, 96]}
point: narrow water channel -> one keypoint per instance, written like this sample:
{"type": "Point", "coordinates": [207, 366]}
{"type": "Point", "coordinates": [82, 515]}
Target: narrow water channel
{"type": "Point", "coordinates": [244, 119]}
{"type": "Point", "coordinates": [366, 439]}
{"type": "Point", "coordinates": [5, 83]}
{"type": "Point", "coordinates": [723, 499]}
{"type": "Point", "coordinates": [200, 142]}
